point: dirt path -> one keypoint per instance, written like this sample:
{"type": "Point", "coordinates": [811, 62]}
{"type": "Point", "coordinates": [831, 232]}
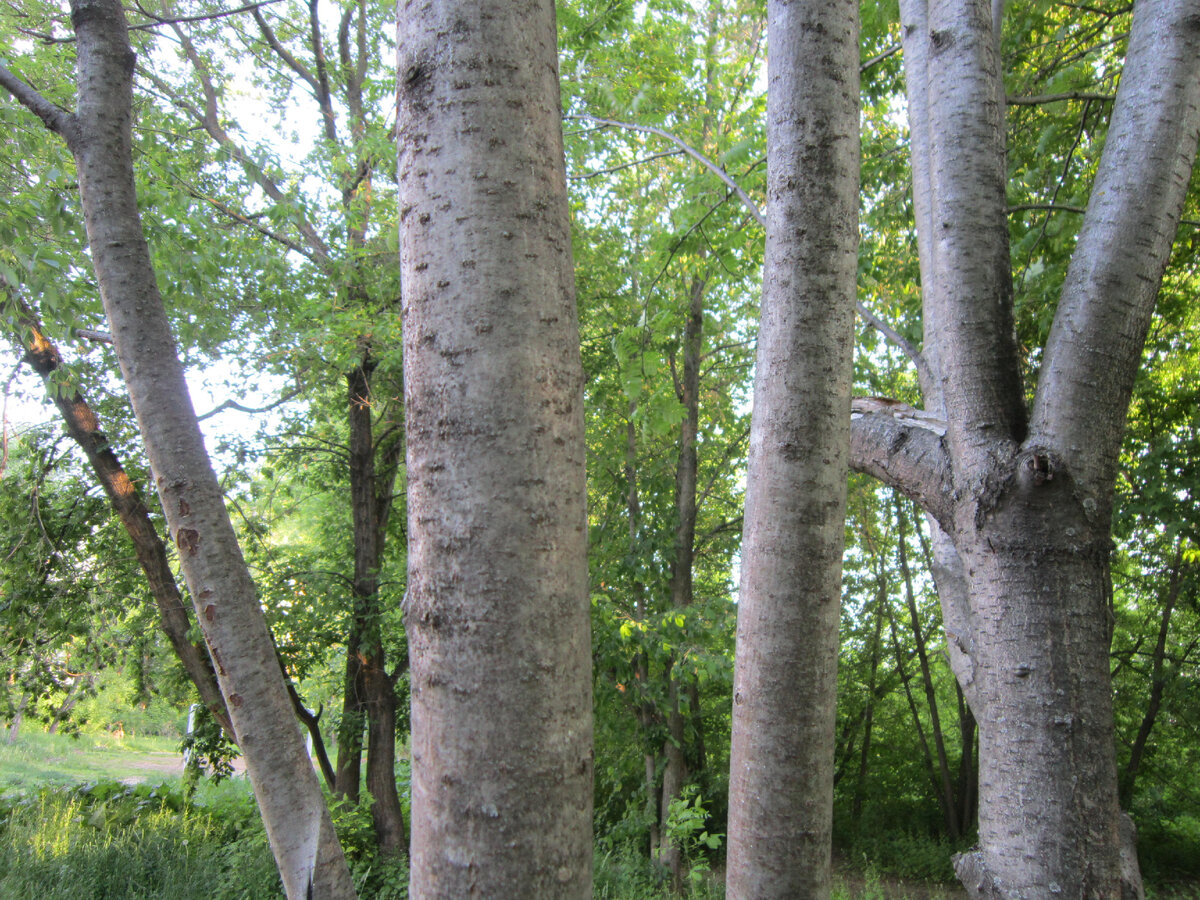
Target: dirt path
{"type": "Point", "coordinates": [158, 764]}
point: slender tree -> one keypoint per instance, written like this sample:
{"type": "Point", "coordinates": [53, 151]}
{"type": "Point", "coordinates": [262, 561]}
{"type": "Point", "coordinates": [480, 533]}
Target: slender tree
{"type": "Point", "coordinates": [99, 135]}
{"type": "Point", "coordinates": [497, 604]}
{"type": "Point", "coordinates": [785, 676]}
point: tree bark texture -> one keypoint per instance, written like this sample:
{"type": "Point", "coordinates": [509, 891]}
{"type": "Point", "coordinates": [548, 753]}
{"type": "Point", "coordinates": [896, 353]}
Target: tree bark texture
{"type": "Point", "coordinates": [785, 677]}
{"type": "Point", "coordinates": [1021, 504]}
{"type": "Point", "coordinates": [497, 604]}
{"type": "Point", "coordinates": [287, 789]}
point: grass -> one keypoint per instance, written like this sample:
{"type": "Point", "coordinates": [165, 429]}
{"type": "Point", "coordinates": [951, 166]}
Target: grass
{"type": "Point", "coordinates": [37, 759]}
{"type": "Point", "coordinates": [70, 831]}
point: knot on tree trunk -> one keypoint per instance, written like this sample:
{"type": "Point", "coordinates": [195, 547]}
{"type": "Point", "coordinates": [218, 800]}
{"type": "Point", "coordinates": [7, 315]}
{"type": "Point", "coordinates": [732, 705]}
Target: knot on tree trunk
{"type": "Point", "coordinates": [1036, 466]}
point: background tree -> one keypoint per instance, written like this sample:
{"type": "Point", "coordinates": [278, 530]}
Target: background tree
{"type": "Point", "coordinates": [99, 136]}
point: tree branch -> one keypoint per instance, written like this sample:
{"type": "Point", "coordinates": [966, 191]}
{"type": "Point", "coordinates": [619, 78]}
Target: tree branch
{"type": "Point", "coordinates": [209, 118]}
{"type": "Point", "coordinates": [690, 151]}
{"type": "Point", "coordinates": [233, 404]}
{"type": "Point", "coordinates": [1039, 99]}
{"type": "Point", "coordinates": [53, 117]}
{"type": "Point", "coordinates": [221, 14]}
{"type": "Point", "coordinates": [903, 447]}
{"type": "Point", "coordinates": [1059, 207]}
{"type": "Point", "coordinates": [1124, 244]}
{"type": "Point", "coordinates": [284, 54]}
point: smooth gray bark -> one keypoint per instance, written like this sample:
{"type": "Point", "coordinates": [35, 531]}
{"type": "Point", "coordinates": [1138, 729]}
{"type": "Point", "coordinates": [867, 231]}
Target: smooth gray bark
{"type": "Point", "coordinates": [1021, 554]}
{"type": "Point", "coordinates": [497, 605]}
{"type": "Point", "coordinates": [785, 678]}
{"type": "Point", "coordinates": [99, 136]}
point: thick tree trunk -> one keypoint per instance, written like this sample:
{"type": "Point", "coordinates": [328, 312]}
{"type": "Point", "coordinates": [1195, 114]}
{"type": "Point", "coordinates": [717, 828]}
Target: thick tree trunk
{"type": "Point", "coordinates": [785, 679]}
{"type": "Point", "coordinates": [99, 135]}
{"type": "Point", "coordinates": [497, 607]}
{"type": "Point", "coordinates": [1023, 503]}
{"type": "Point", "coordinates": [1047, 771]}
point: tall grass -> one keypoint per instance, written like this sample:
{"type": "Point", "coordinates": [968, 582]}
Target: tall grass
{"type": "Point", "coordinates": [109, 841]}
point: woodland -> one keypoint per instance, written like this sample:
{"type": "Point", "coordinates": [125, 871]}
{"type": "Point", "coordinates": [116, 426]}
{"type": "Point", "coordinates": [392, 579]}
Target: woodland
{"type": "Point", "coordinates": [628, 462]}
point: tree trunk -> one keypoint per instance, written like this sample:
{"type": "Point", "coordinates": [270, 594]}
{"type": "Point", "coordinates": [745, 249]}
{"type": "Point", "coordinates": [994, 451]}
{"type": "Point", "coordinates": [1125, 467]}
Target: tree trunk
{"type": "Point", "coordinates": [881, 598]}
{"type": "Point", "coordinates": [83, 425]}
{"type": "Point", "coordinates": [1157, 680]}
{"type": "Point", "coordinates": [675, 773]}
{"type": "Point", "coordinates": [1025, 500]}
{"type": "Point", "coordinates": [497, 606]}
{"type": "Point", "coordinates": [99, 136]}
{"type": "Point", "coordinates": [370, 690]}
{"type": "Point", "coordinates": [1044, 705]}
{"type": "Point", "coordinates": [785, 678]}
{"type": "Point", "coordinates": [942, 783]}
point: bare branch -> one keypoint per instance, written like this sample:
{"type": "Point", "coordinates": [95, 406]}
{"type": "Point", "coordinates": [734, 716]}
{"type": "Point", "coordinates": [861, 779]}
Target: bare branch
{"type": "Point", "coordinates": [158, 20]}
{"type": "Point", "coordinates": [906, 347]}
{"type": "Point", "coordinates": [1059, 207]}
{"type": "Point", "coordinates": [637, 162]}
{"type": "Point", "coordinates": [1039, 99]}
{"type": "Point", "coordinates": [690, 151]}
{"type": "Point", "coordinates": [880, 57]}
{"type": "Point", "coordinates": [100, 337]}
{"type": "Point", "coordinates": [233, 404]}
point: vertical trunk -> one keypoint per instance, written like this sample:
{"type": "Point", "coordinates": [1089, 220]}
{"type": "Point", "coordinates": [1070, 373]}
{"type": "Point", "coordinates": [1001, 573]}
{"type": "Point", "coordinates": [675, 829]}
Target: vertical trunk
{"type": "Point", "coordinates": [869, 713]}
{"type": "Point", "coordinates": [688, 389]}
{"type": "Point", "coordinates": [288, 793]}
{"type": "Point", "coordinates": [918, 726]}
{"type": "Point", "coordinates": [348, 774]}
{"type": "Point", "coordinates": [646, 715]}
{"type": "Point", "coordinates": [386, 813]}
{"type": "Point", "coordinates": [785, 678]}
{"type": "Point", "coordinates": [366, 674]}
{"type": "Point", "coordinates": [942, 783]}
{"type": "Point", "coordinates": [1047, 770]}
{"type": "Point", "coordinates": [1157, 680]}
{"type": "Point", "coordinates": [72, 698]}
{"type": "Point", "coordinates": [497, 606]}
{"type": "Point", "coordinates": [18, 716]}
{"type": "Point", "coordinates": [968, 780]}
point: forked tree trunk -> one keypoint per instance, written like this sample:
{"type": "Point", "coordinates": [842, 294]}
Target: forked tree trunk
{"type": "Point", "coordinates": [785, 677]}
{"type": "Point", "coordinates": [497, 605]}
{"type": "Point", "coordinates": [1023, 502]}
{"type": "Point", "coordinates": [99, 136]}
